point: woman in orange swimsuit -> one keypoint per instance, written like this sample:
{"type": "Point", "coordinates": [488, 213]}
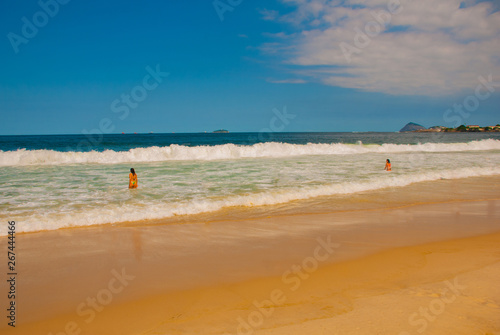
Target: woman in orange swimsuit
{"type": "Point", "coordinates": [387, 165]}
{"type": "Point", "coordinates": [132, 179]}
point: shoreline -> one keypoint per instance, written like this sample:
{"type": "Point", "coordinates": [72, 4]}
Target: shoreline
{"type": "Point", "coordinates": [204, 276]}
{"type": "Point", "coordinates": [434, 192]}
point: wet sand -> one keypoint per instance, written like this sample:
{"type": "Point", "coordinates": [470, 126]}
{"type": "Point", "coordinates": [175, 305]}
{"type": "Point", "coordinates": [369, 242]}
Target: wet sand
{"type": "Point", "coordinates": [363, 271]}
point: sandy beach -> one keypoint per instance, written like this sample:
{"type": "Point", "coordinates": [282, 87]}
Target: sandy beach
{"type": "Point", "coordinates": [230, 167]}
{"type": "Point", "coordinates": [403, 268]}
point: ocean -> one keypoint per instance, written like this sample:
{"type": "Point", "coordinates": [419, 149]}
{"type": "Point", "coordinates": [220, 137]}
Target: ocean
{"type": "Point", "coordinates": [55, 181]}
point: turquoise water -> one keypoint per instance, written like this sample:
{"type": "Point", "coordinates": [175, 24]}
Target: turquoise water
{"type": "Point", "coordinates": [45, 185]}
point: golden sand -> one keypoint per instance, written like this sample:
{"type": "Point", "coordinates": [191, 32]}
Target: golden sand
{"type": "Point", "coordinates": [430, 268]}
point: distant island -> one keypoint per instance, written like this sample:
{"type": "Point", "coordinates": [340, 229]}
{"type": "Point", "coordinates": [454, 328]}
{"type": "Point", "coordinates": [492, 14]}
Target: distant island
{"type": "Point", "coordinates": [412, 127]}
{"type": "Point", "coordinates": [415, 127]}
{"type": "Point", "coordinates": [220, 131]}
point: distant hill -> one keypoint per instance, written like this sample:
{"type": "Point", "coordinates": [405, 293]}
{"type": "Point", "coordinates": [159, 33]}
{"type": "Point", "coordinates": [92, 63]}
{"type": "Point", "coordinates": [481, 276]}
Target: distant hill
{"type": "Point", "coordinates": [412, 127]}
{"type": "Point", "coordinates": [221, 131]}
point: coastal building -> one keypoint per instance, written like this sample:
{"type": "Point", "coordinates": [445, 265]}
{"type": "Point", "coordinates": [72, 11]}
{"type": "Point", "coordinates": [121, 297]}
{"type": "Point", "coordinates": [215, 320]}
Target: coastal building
{"type": "Point", "coordinates": [437, 128]}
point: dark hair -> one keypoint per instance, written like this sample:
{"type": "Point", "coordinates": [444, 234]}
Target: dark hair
{"type": "Point", "coordinates": [132, 170]}
{"type": "Point", "coordinates": [388, 161]}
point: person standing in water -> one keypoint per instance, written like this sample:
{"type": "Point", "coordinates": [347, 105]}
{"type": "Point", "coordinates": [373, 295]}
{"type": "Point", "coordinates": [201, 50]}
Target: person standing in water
{"type": "Point", "coordinates": [132, 179]}
{"type": "Point", "coordinates": [388, 165]}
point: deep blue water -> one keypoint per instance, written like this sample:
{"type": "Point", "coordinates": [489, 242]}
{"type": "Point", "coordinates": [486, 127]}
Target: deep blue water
{"type": "Point", "coordinates": [125, 142]}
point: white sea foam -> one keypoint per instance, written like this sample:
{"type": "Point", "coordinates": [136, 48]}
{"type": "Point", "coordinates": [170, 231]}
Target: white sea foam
{"type": "Point", "coordinates": [228, 151]}
{"type": "Point", "coordinates": [156, 210]}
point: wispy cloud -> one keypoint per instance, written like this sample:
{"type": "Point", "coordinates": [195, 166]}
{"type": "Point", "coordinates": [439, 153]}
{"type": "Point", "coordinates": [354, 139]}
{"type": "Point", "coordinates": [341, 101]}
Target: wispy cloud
{"type": "Point", "coordinates": [286, 81]}
{"type": "Point", "coordinates": [424, 47]}
{"type": "Point", "coordinates": [269, 15]}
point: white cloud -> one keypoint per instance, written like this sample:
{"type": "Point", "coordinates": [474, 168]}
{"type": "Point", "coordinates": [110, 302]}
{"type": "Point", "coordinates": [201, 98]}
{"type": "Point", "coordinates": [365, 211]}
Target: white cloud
{"type": "Point", "coordinates": [428, 47]}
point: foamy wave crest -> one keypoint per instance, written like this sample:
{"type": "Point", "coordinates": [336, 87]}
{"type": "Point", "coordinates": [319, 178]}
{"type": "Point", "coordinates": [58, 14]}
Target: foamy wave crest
{"type": "Point", "coordinates": [227, 151]}
{"type": "Point", "coordinates": [116, 214]}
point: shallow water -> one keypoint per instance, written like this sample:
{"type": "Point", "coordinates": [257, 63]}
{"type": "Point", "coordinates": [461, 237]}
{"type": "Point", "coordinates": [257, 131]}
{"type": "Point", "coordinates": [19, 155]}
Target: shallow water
{"type": "Point", "coordinates": [45, 187]}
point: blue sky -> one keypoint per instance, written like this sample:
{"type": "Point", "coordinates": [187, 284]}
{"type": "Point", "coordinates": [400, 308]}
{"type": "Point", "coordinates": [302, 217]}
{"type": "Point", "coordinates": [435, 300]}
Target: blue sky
{"type": "Point", "coordinates": [232, 73]}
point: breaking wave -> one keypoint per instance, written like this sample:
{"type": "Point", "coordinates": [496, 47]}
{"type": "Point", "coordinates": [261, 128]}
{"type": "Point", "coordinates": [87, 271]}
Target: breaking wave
{"type": "Point", "coordinates": [158, 210]}
{"type": "Point", "coordinates": [227, 151]}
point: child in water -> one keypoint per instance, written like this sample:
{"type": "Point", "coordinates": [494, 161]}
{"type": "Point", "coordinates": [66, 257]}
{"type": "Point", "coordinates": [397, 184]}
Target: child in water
{"type": "Point", "coordinates": [132, 179]}
{"type": "Point", "coordinates": [387, 165]}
